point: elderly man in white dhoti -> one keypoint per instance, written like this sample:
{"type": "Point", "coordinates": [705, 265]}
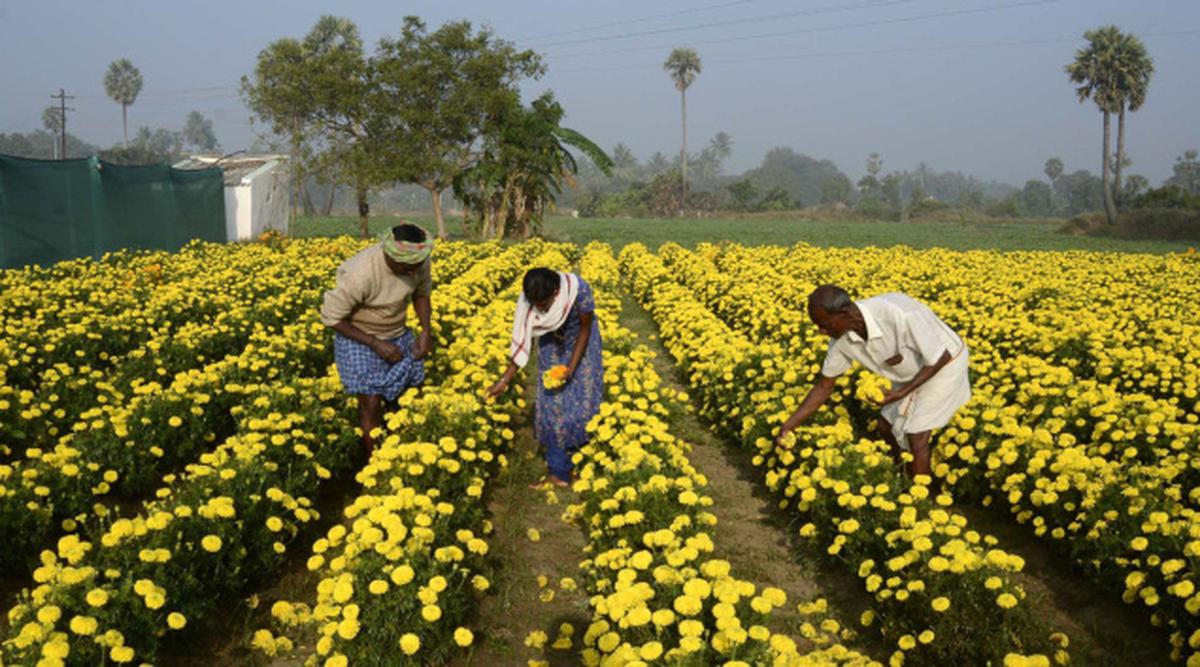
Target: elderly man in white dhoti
{"type": "Point", "coordinates": [901, 339]}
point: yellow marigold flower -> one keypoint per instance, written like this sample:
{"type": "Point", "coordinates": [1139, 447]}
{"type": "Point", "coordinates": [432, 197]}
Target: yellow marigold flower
{"type": "Point", "coordinates": [402, 575]}
{"type": "Point", "coordinates": [536, 639]}
{"type": "Point", "coordinates": [176, 620]}
{"type": "Point", "coordinates": [410, 643]}
{"type": "Point", "coordinates": [83, 625]}
{"type": "Point", "coordinates": [650, 651]}
{"type": "Point", "coordinates": [348, 628]}
{"type": "Point", "coordinates": [49, 615]}
{"type": "Point", "coordinates": [97, 597]}
{"type": "Point", "coordinates": [463, 637]}
{"type": "Point", "coordinates": [608, 642]}
{"type": "Point", "coordinates": [211, 543]}
{"type": "Point", "coordinates": [940, 604]}
{"type": "Point", "coordinates": [555, 377]}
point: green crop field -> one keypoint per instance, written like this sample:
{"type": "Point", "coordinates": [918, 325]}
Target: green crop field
{"type": "Point", "coordinates": [764, 231]}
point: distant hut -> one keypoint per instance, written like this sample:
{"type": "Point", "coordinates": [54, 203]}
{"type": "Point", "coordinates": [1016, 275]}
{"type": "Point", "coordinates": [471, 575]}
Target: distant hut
{"type": "Point", "coordinates": [257, 192]}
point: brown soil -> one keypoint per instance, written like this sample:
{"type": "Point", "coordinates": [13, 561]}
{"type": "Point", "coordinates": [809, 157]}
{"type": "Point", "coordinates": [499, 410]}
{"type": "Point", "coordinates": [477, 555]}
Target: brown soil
{"type": "Point", "coordinates": [514, 607]}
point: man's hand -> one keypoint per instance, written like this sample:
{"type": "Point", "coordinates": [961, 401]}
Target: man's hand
{"type": "Point", "coordinates": [388, 351]}
{"type": "Point", "coordinates": [891, 396]}
{"type": "Point", "coordinates": [424, 345]}
{"type": "Point", "coordinates": [498, 388]}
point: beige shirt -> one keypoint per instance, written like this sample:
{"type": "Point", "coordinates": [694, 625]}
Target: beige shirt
{"type": "Point", "coordinates": [903, 335]}
{"type": "Point", "coordinates": [371, 296]}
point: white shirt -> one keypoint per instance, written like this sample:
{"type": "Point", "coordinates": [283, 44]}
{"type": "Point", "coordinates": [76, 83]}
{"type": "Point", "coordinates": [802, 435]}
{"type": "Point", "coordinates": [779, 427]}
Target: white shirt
{"type": "Point", "coordinates": [897, 325]}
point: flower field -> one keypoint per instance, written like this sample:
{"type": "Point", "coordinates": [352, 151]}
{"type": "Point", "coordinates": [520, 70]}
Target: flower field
{"type": "Point", "coordinates": [171, 422]}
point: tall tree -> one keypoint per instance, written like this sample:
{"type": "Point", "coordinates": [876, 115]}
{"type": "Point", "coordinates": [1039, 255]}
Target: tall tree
{"type": "Point", "coordinates": [1185, 174]}
{"type": "Point", "coordinates": [318, 92]}
{"type": "Point", "coordinates": [625, 163]}
{"type": "Point", "coordinates": [525, 162]}
{"type": "Point", "coordinates": [148, 146]}
{"type": "Point", "coordinates": [869, 184]}
{"type": "Point", "coordinates": [1133, 68]}
{"type": "Point", "coordinates": [1136, 185]}
{"type": "Point", "coordinates": [1095, 73]}
{"type": "Point", "coordinates": [444, 86]}
{"type": "Point", "coordinates": [52, 121]}
{"type": "Point", "coordinates": [123, 83]}
{"type": "Point", "coordinates": [721, 145]}
{"type": "Point", "coordinates": [683, 65]}
{"type": "Point", "coordinates": [657, 164]}
{"type": "Point", "coordinates": [198, 132]}
{"type": "Point", "coordinates": [714, 154]}
{"type": "Point", "coordinates": [1053, 169]}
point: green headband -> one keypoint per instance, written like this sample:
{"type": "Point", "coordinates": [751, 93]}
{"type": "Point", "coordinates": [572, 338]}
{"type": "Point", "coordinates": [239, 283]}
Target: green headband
{"type": "Point", "coordinates": [406, 252]}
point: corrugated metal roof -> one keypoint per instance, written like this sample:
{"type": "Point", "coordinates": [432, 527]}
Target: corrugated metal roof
{"type": "Point", "coordinates": [235, 167]}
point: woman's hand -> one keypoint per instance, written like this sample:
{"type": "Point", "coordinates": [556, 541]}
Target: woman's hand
{"type": "Point", "coordinates": [499, 388]}
{"type": "Point", "coordinates": [783, 433]}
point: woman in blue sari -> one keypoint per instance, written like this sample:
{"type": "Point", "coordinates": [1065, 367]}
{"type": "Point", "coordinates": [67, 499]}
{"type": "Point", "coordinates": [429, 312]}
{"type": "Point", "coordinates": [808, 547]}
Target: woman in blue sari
{"type": "Point", "coordinates": [558, 312]}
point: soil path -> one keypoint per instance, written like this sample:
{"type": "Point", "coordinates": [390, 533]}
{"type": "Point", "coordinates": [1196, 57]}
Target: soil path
{"type": "Point", "coordinates": [757, 539]}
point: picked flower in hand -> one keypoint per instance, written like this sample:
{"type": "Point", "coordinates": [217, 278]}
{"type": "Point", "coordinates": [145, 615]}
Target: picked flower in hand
{"type": "Point", "coordinates": [555, 377]}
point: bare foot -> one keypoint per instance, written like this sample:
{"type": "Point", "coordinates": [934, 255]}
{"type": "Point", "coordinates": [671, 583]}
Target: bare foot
{"type": "Point", "coordinates": [547, 481]}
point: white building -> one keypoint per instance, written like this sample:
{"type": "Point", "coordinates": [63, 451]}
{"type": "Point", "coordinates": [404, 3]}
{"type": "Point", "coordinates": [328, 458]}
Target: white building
{"type": "Point", "coordinates": [258, 192]}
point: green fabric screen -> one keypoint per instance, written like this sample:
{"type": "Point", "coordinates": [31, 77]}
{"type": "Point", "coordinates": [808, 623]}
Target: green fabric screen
{"type": "Point", "coordinates": [51, 210]}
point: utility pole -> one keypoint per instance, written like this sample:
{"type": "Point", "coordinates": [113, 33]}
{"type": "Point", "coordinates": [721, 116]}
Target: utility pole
{"type": "Point", "coordinates": [62, 98]}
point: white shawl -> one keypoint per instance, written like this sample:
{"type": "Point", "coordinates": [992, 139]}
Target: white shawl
{"type": "Point", "coordinates": [529, 322]}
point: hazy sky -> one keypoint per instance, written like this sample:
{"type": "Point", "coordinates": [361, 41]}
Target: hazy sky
{"type": "Point", "coordinates": [971, 85]}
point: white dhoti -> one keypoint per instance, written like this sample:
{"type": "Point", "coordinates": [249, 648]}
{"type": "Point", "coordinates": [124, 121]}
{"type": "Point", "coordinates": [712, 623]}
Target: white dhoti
{"type": "Point", "coordinates": [933, 404]}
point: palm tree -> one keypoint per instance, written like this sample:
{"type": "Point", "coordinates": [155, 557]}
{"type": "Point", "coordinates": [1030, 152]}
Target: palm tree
{"type": "Point", "coordinates": [123, 82]}
{"type": "Point", "coordinates": [721, 145]}
{"type": "Point", "coordinates": [1134, 67]}
{"type": "Point", "coordinates": [1053, 170]}
{"type": "Point", "coordinates": [52, 121]}
{"type": "Point", "coordinates": [1096, 77]}
{"type": "Point", "coordinates": [683, 65]}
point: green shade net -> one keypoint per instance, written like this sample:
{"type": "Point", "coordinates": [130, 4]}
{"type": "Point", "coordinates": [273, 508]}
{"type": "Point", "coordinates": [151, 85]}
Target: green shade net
{"type": "Point", "coordinates": [62, 209]}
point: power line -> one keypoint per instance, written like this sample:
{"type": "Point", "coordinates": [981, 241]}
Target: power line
{"type": "Point", "coordinates": [838, 54]}
{"type": "Point", "coordinates": [160, 95]}
{"type": "Point", "coordinates": [682, 12]}
{"type": "Point", "coordinates": [831, 9]}
{"type": "Point", "coordinates": [843, 26]}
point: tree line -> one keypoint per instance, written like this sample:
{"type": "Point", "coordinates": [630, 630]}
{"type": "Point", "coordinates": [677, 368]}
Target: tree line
{"type": "Point", "coordinates": [439, 109]}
